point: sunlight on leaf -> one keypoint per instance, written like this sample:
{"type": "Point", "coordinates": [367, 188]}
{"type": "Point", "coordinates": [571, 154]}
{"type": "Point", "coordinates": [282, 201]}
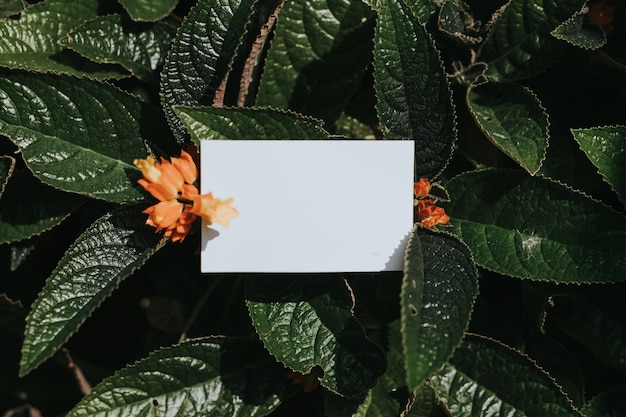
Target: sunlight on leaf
{"type": "Point", "coordinates": [148, 10]}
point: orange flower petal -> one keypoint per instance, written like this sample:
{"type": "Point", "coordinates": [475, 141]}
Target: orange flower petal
{"type": "Point", "coordinates": [214, 209]}
{"type": "Point", "coordinates": [421, 188]}
{"type": "Point", "coordinates": [186, 166]}
{"type": "Point", "coordinates": [164, 214]}
{"type": "Point", "coordinates": [429, 215]}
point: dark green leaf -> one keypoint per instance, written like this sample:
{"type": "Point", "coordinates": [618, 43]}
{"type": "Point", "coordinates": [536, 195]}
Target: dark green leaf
{"type": "Point", "coordinates": [307, 320]}
{"type": "Point", "coordinates": [110, 250]}
{"type": "Point", "coordinates": [29, 207]}
{"type": "Point", "coordinates": [319, 54]}
{"type": "Point", "coordinates": [149, 10]}
{"type": "Point", "coordinates": [10, 7]}
{"type": "Point", "coordinates": [607, 404]}
{"type": "Point", "coordinates": [512, 117]}
{"type": "Point", "coordinates": [486, 378]}
{"type": "Point", "coordinates": [606, 149]}
{"type": "Point", "coordinates": [456, 21]}
{"type": "Point", "coordinates": [138, 47]}
{"type": "Point", "coordinates": [201, 54]}
{"type": "Point", "coordinates": [414, 99]}
{"type": "Point", "coordinates": [574, 31]}
{"type": "Point", "coordinates": [7, 163]}
{"type": "Point", "coordinates": [79, 135]}
{"type": "Point", "coordinates": [438, 291]}
{"type": "Point", "coordinates": [615, 52]}
{"type": "Point", "coordinates": [519, 44]}
{"type": "Point", "coordinates": [532, 227]}
{"type": "Point", "coordinates": [30, 42]}
{"type": "Point", "coordinates": [211, 377]}
{"type": "Point", "coordinates": [350, 127]}
{"type": "Point", "coordinates": [247, 123]}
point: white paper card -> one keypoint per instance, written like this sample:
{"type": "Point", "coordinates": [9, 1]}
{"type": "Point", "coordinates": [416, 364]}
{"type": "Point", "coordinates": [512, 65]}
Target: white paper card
{"type": "Point", "coordinates": [309, 206]}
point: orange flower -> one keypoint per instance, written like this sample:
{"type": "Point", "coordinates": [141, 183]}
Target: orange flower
{"type": "Point", "coordinates": [602, 15]}
{"type": "Point", "coordinates": [421, 188]}
{"type": "Point", "coordinates": [429, 215]}
{"type": "Point", "coordinates": [172, 183]}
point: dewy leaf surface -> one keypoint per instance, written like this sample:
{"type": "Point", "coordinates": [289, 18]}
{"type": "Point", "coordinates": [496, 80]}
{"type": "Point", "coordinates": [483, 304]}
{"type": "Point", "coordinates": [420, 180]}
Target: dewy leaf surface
{"type": "Point", "coordinates": [438, 291]}
{"type": "Point", "coordinates": [201, 54]}
{"type": "Point", "coordinates": [138, 47]}
{"type": "Point", "coordinates": [318, 55]}
{"type": "Point", "coordinates": [79, 135]}
{"type": "Point", "coordinates": [29, 207]}
{"type": "Point", "coordinates": [246, 123]}
{"type": "Point", "coordinates": [7, 163]}
{"type": "Point", "coordinates": [106, 253]}
{"type": "Point", "coordinates": [532, 227]}
{"type": "Point", "coordinates": [31, 42]}
{"type": "Point", "coordinates": [512, 117]}
{"type": "Point", "coordinates": [211, 377]}
{"type": "Point", "coordinates": [306, 320]}
{"type": "Point", "coordinates": [576, 32]}
{"type": "Point", "coordinates": [606, 149]}
{"type": "Point", "coordinates": [519, 44]}
{"type": "Point", "coordinates": [414, 98]}
{"type": "Point", "coordinates": [148, 10]}
{"type": "Point", "coordinates": [486, 378]}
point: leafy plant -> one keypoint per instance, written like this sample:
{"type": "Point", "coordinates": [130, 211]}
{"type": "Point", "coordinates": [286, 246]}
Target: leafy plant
{"type": "Point", "coordinates": [515, 307]}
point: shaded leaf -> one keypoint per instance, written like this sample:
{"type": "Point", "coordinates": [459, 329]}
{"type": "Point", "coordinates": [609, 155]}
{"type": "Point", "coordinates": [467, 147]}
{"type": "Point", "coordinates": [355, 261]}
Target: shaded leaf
{"type": "Point", "coordinates": [29, 207]}
{"type": "Point", "coordinates": [574, 31]}
{"type": "Point", "coordinates": [200, 56]}
{"type": "Point", "coordinates": [319, 53]}
{"type": "Point", "coordinates": [7, 163]}
{"type": "Point", "coordinates": [110, 250]}
{"type": "Point", "coordinates": [306, 320]}
{"type": "Point", "coordinates": [30, 42]}
{"type": "Point", "coordinates": [79, 135]}
{"type": "Point", "coordinates": [519, 44]}
{"type": "Point", "coordinates": [205, 377]}
{"type": "Point", "coordinates": [606, 149]}
{"type": "Point", "coordinates": [532, 227]}
{"type": "Point", "coordinates": [138, 47]}
{"type": "Point", "coordinates": [487, 378]}
{"type": "Point", "coordinates": [10, 7]}
{"type": "Point", "coordinates": [247, 123]}
{"type": "Point", "coordinates": [512, 117]}
{"type": "Point", "coordinates": [148, 10]}
{"type": "Point", "coordinates": [414, 99]}
{"type": "Point", "coordinates": [438, 291]}
{"type": "Point", "coordinates": [607, 404]}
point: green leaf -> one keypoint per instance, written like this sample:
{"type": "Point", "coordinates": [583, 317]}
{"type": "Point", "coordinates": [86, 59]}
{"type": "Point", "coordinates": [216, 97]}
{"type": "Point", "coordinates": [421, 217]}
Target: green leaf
{"type": "Point", "coordinates": [438, 291]}
{"type": "Point", "coordinates": [607, 404]}
{"type": "Point", "coordinates": [532, 227]}
{"type": "Point", "coordinates": [111, 249]}
{"type": "Point", "coordinates": [148, 10]}
{"type": "Point", "coordinates": [7, 163]}
{"type": "Point", "coordinates": [512, 117]}
{"type": "Point", "coordinates": [247, 123]}
{"type": "Point", "coordinates": [29, 207]}
{"type": "Point", "coordinates": [486, 378]}
{"type": "Point", "coordinates": [306, 321]}
{"type": "Point", "coordinates": [318, 72]}
{"type": "Point", "coordinates": [519, 44]}
{"type": "Point", "coordinates": [414, 98]}
{"type": "Point", "coordinates": [138, 47]}
{"type": "Point", "coordinates": [211, 377]}
{"type": "Point", "coordinates": [574, 31]}
{"type": "Point", "coordinates": [10, 7]}
{"type": "Point", "coordinates": [30, 42]}
{"type": "Point", "coordinates": [79, 135]}
{"type": "Point", "coordinates": [201, 54]}
{"type": "Point", "coordinates": [606, 149]}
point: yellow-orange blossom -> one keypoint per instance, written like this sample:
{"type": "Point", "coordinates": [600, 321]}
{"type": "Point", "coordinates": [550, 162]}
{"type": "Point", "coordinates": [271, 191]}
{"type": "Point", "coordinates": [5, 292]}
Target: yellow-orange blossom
{"type": "Point", "coordinates": [172, 183]}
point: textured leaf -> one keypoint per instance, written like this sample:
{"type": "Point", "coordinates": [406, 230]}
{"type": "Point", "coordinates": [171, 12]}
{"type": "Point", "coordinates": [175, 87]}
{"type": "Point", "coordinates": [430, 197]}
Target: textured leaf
{"type": "Point", "coordinates": [485, 378]}
{"type": "Point", "coordinates": [79, 135]}
{"type": "Point", "coordinates": [200, 56]}
{"type": "Point", "coordinates": [246, 123]}
{"type": "Point", "coordinates": [30, 42]}
{"type": "Point", "coordinates": [212, 377]}
{"type": "Point", "coordinates": [29, 207]}
{"type": "Point", "coordinates": [519, 44]}
{"type": "Point", "coordinates": [606, 149]}
{"type": "Point", "coordinates": [149, 10]}
{"type": "Point", "coordinates": [7, 164]}
{"type": "Point", "coordinates": [532, 227]}
{"type": "Point", "coordinates": [438, 291]}
{"type": "Point", "coordinates": [513, 119]}
{"type": "Point", "coordinates": [110, 250]}
{"type": "Point", "coordinates": [319, 53]}
{"type": "Point", "coordinates": [10, 7]}
{"type": "Point", "coordinates": [607, 404]}
{"type": "Point", "coordinates": [414, 99]}
{"type": "Point", "coordinates": [574, 31]}
{"type": "Point", "coordinates": [307, 320]}
{"type": "Point", "coordinates": [138, 47]}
